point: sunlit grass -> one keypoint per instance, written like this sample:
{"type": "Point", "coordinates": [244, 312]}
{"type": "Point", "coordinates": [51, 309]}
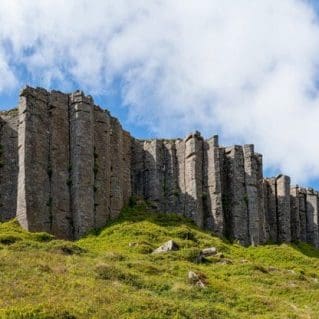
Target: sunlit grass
{"type": "Point", "coordinates": [112, 274]}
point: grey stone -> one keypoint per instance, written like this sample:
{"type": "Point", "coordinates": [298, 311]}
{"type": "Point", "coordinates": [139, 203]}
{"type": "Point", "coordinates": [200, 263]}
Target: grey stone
{"type": "Point", "coordinates": [210, 251]}
{"type": "Point", "coordinates": [168, 246]}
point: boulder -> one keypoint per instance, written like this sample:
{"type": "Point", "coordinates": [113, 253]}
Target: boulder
{"type": "Point", "coordinates": [168, 246]}
{"type": "Point", "coordinates": [206, 252]}
{"type": "Point", "coordinates": [209, 251]}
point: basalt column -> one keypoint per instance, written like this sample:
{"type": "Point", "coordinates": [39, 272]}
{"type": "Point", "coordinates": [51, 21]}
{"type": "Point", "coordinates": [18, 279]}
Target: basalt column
{"type": "Point", "coordinates": [126, 160]}
{"type": "Point", "coordinates": [312, 217]}
{"type": "Point", "coordinates": [33, 205]}
{"type": "Point", "coordinates": [137, 167]}
{"type": "Point", "coordinates": [234, 201]}
{"type": "Point", "coordinates": [283, 208]}
{"type": "Point", "coordinates": [261, 200]}
{"type": "Point", "coordinates": [303, 214]}
{"type": "Point", "coordinates": [116, 195]}
{"type": "Point", "coordinates": [82, 163]}
{"type": "Point", "coordinates": [8, 164]}
{"type": "Point", "coordinates": [295, 213]}
{"type": "Point", "coordinates": [212, 194]}
{"type": "Point", "coordinates": [270, 192]}
{"type": "Point", "coordinates": [172, 192]}
{"type": "Point", "coordinates": [154, 183]}
{"type": "Point", "coordinates": [61, 223]}
{"type": "Point", "coordinates": [251, 198]}
{"type": "Point", "coordinates": [194, 178]}
{"type": "Point", "coordinates": [102, 167]}
{"type": "Point", "coordinates": [181, 181]}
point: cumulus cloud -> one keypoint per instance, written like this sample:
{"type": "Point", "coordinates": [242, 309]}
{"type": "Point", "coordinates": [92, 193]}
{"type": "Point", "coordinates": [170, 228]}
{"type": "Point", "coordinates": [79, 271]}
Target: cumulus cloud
{"type": "Point", "coordinates": [248, 70]}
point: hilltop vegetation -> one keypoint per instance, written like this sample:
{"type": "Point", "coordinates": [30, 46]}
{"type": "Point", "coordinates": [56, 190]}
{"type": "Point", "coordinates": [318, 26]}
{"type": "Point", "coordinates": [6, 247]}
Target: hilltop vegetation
{"type": "Point", "coordinates": [112, 274]}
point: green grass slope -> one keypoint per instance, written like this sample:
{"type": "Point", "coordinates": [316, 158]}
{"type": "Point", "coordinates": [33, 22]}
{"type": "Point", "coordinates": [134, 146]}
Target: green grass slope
{"type": "Point", "coordinates": [112, 274]}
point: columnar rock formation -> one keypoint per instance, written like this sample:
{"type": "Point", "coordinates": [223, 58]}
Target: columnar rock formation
{"type": "Point", "coordinates": [8, 164]}
{"type": "Point", "coordinates": [78, 168]}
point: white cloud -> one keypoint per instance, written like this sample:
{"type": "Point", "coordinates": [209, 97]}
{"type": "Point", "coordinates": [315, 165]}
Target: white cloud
{"type": "Point", "coordinates": [247, 69]}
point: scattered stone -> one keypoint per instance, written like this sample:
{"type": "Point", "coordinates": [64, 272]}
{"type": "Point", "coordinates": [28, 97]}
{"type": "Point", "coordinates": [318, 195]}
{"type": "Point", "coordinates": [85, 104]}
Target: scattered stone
{"type": "Point", "coordinates": [193, 277]}
{"type": "Point", "coordinates": [200, 284]}
{"type": "Point", "coordinates": [168, 246]}
{"type": "Point", "coordinates": [219, 255]}
{"type": "Point", "coordinates": [225, 261]}
{"type": "Point", "coordinates": [209, 251]}
{"type": "Point", "coordinates": [196, 279]}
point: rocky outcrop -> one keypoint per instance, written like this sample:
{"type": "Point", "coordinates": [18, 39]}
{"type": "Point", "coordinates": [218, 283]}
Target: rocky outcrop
{"type": "Point", "coordinates": [78, 168]}
{"type": "Point", "coordinates": [74, 164]}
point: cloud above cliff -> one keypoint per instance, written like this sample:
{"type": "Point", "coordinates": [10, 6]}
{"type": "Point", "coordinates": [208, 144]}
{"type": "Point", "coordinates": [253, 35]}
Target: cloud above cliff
{"type": "Point", "coordinates": [248, 70]}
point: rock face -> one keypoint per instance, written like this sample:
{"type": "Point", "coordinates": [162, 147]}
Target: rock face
{"type": "Point", "coordinates": [74, 164]}
{"type": "Point", "coordinates": [78, 168]}
{"type": "Point", "coordinates": [8, 164]}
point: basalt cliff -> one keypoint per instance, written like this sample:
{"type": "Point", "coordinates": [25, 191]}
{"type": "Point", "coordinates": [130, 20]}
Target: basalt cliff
{"type": "Point", "coordinates": [67, 167]}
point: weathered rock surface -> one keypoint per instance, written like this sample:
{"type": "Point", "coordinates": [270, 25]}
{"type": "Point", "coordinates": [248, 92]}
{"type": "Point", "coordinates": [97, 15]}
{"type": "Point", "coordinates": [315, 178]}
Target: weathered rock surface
{"type": "Point", "coordinates": [210, 251]}
{"type": "Point", "coordinates": [168, 246]}
{"type": "Point", "coordinates": [67, 167]}
{"type": "Point", "coordinates": [8, 164]}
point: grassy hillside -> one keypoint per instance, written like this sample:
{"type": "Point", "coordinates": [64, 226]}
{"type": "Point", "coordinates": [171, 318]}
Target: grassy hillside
{"type": "Point", "coordinates": [113, 275]}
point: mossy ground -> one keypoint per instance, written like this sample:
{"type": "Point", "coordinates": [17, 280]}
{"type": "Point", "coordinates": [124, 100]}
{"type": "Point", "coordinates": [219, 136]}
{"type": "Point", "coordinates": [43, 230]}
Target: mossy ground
{"type": "Point", "coordinates": [111, 274]}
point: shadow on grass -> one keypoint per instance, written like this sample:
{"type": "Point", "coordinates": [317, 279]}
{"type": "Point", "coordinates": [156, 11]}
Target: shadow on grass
{"type": "Point", "coordinates": [306, 249]}
{"type": "Point", "coordinates": [141, 211]}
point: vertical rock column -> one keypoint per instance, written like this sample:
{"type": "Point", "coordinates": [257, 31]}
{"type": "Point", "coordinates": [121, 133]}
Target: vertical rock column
{"type": "Point", "coordinates": [194, 178]}
{"type": "Point", "coordinates": [126, 158]}
{"type": "Point", "coordinates": [137, 167]}
{"type": "Point", "coordinates": [303, 214]}
{"type": "Point", "coordinates": [172, 195]}
{"type": "Point", "coordinates": [283, 208]}
{"type": "Point", "coordinates": [154, 182]}
{"type": "Point", "coordinates": [33, 205]}
{"type": "Point", "coordinates": [8, 165]}
{"type": "Point", "coordinates": [251, 197]}
{"type": "Point", "coordinates": [102, 167]}
{"type": "Point", "coordinates": [212, 187]}
{"type": "Point", "coordinates": [180, 172]}
{"type": "Point", "coordinates": [295, 213]}
{"type": "Point", "coordinates": [271, 209]}
{"type": "Point", "coordinates": [312, 217]}
{"type": "Point", "coordinates": [235, 194]}
{"type": "Point", "coordinates": [116, 196]}
{"type": "Point", "coordinates": [58, 166]}
{"type": "Point", "coordinates": [261, 200]}
{"type": "Point", "coordinates": [82, 163]}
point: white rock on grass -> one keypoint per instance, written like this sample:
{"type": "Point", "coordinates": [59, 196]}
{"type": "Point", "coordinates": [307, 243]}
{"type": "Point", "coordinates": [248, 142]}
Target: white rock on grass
{"type": "Point", "coordinates": [168, 246]}
{"type": "Point", "coordinates": [211, 251]}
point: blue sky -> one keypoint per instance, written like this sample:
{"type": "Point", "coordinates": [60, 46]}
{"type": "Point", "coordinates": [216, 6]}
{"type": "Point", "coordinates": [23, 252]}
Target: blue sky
{"type": "Point", "coordinates": [245, 70]}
